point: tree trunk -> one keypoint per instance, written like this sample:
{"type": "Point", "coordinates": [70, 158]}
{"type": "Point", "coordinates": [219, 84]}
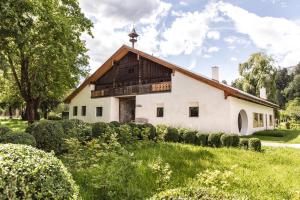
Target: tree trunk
{"type": "Point", "coordinates": [31, 111]}
{"type": "Point", "coordinates": [10, 112]}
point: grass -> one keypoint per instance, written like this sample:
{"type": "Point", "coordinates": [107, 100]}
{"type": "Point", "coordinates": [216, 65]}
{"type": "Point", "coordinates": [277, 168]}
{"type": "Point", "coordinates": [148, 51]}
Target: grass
{"type": "Point", "coordinates": [272, 174]}
{"type": "Point", "coordinates": [283, 136]}
{"type": "Point", "coordinates": [14, 124]}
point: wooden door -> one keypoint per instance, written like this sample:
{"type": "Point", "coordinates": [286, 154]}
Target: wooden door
{"type": "Point", "coordinates": [127, 109]}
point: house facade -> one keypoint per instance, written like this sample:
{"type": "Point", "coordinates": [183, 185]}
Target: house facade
{"type": "Point", "coordinates": [134, 86]}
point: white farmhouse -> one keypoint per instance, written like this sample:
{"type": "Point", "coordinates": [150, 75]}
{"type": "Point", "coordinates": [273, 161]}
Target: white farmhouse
{"type": "Point", "coordinates": [134, 86]}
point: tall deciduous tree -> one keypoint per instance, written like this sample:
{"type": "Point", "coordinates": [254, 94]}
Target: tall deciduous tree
{"type": "Point", "coordinates": [257, 72]}
{"type": "Point", "coordinates": [40, 45]}
{"type": "Point", "coordinates": [283, 78]}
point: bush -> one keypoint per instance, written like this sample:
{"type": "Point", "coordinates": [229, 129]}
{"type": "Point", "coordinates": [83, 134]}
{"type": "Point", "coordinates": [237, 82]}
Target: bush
{"type": "Point", "coordinates": [114, 124]}
{"type": "Point", "coordinates": [18, 138]}
{"type": "Point", "coordinates": [202, 139]}
{"type": "Point", "coordinates": [49, 136]}
{"type": "Point", "coordinates": [190, 137]}
{"type": "Point", "coordinates": [125, 135]}
{"type": "Point", "coordinates": [150, 131]}
{"type": "Point", "coordinates": [161, 131]}
{"type": "Point", "coordinates": [99, 129]}
{"type": "Point", "coordinates": [255, 144]}
{"type": "Point", "coordinates": [53, 116]}
{"type": "Point", "coordinates": [270, 133]}
{"type": "Point", "coordinates": [214, 139]}
{"type": "Point", "coordinates": [4, 129]}
{"type": "Point", "coordinates": [230, 140]}
{"type": "Point", "coordinates": [288, 125]}
{"type": "Point", "coordinates": [172, 135]}
{"type": "Point", "coordinates": [244, 143]}
{"type": "Point", "coordinates": [76, 128]}
{"type": "Point", "coordinates": [28, 173]}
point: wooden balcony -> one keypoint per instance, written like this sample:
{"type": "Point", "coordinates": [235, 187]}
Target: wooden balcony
{"type": "Point", "coordinates": [133, 90]}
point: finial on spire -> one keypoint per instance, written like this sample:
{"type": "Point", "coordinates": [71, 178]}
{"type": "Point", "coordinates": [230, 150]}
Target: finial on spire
{"type": "Point", "coordinates": [133, 36]}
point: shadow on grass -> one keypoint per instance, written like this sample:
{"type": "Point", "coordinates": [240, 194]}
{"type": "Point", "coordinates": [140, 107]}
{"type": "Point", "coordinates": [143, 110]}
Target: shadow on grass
{"type": "Point", "coordinates": [289, 136]}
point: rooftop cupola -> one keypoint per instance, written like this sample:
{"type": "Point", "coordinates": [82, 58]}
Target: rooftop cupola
{"type": "Point", "coordinates": [133, 37]}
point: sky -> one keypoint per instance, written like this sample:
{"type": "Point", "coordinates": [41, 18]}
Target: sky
{"type": "Point", "coordinates": [197, 34]}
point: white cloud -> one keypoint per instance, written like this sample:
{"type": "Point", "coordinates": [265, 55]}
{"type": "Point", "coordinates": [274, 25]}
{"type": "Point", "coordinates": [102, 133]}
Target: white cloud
{"type": "Point", "coordinates": [236, 40]}
{"type": "Point", "coordinates": [213, 49]}
{"type": "Point", "coordinates": [187, 32]}
{"type": "Point", "coordinates": [206, 56]}
{"type": "Point", "coordinates": [183, 3]}
{"type": "Point", "coordinates": [277, 36]}
{"type": "Point", "coordinates": [213, 35]}
{"type": "Point", "coordinates": [233, 59]}
{"type": "Point", "coordinates": [113, 20]}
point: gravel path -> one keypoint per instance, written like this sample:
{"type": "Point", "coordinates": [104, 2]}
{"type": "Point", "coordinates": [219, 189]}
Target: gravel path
{"type": "Point", "coordinates": [273, 144]}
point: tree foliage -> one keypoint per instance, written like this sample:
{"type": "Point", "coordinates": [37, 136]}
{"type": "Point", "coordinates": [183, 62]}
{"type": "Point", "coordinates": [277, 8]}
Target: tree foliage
{"type": "Point", "coordinates": [41, 48]}
{"type": "Point", "coordinates": [257, 72]}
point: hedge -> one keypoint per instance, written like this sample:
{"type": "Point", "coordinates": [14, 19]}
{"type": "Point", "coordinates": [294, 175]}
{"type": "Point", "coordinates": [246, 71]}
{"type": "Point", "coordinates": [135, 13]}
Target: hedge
{"type": "Point", "coordinates": [172, 135]}
{"type": "Point", "coordinates": [28, 173]}
{"type": "Point", "coordinates": [18, 138]}
{"type": "Point", "coordinates": [255, 144]}
{"type": "Point", "coordinates": [49, 135]}
{"type": "Point", "coordinates": [244, 143]}
{"type": "Point", "coordinates": [230, 140]}
{"type": "Point", "coordinates": [214, 139]}
{"type": "Point", "coordinates": [202, 139]}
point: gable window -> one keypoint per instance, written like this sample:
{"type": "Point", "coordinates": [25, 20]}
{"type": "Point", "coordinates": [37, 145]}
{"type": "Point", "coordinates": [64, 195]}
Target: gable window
{"type": "Point", "coordinates": [270, 120]}
{"type": "Point", "coordinates": [75, 110]}
{"type": "Point", "coordinates": [99, 111]}
{"type": "Point", "coordinates": [83, 111]}
{"type": "Point", "coordinates": [160, 112]}
{"type": "Point", "coordinates": [194, 111]}
{"type": "Point", "coordinates": [258, 120]}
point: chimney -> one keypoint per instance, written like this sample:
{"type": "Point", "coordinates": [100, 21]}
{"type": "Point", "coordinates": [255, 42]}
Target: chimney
{"type": "Point", "coordinates": [215, 73]}
{"type": "Point", "coordinates": [263, 93]}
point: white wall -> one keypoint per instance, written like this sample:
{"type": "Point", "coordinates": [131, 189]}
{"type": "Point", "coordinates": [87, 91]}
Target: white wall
{"type": "Point", "coordinates": [215, 112]}
{"type": "Point", "coordinates": [110, 107]}
{"type": "Point", "coordinates": [236, 105]}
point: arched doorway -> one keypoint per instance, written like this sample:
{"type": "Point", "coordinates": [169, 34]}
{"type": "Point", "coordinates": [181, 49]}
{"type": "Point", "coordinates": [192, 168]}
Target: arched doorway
{"type": "Point", "coordinates": [243, 122]}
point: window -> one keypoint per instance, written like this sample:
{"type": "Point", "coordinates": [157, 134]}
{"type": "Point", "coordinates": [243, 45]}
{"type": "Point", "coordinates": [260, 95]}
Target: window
{"type": "Point", "coordinates": [258, 120]}
{"type": "Point", "coordinates": [83, 111]}
{"type": "Point", "coordinates": [194, 111]}
{"type": "Point", "coordinates": [270, 120]}
{"type": "Point", "coordinates": [99, 111]}
{"type": "Point", "coordinates": [74, 110]}
{"type": "Point", "coordinates": [160, 112]}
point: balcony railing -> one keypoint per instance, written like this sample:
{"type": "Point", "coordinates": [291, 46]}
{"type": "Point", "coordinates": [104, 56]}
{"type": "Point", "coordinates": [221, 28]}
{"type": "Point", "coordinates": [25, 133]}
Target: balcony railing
{"type": "Point", "coordinates": [133, 90]}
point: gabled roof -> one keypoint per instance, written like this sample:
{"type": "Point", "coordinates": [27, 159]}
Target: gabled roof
{"type": "Point", "coordinates": [123, 50]}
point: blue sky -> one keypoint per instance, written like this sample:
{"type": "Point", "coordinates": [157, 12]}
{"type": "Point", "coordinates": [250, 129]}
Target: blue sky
{"type": "Point", "coordinates": [197, 34]}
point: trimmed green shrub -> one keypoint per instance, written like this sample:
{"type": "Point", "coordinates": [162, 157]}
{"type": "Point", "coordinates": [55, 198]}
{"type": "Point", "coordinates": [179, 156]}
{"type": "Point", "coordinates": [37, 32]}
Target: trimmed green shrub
{"type": "Point", "coordinates": [182, 132]}
{"type": "Point", "coordinates": [172, 135]}
{"type": "Point", "coordinates": [202, 139]}
{"type": "Point", "coordinates": [4, 129]}
{"type": "Point", "coordinates": [76, 128]}
{"type": "Point", "coordinates": [214, 139]}
{"type": "Point", "coordinates": [230, 140]}
{"type": "Point", "coordinates": [244, 143]}
{"type": "Point", "coordinates": [149, 130]}
{"type": "Point", "coordinates": [255, 144]}
{"type": "Point", "coordinates": [114, 124]}
{"type": "Point", "coordinates": [99, 129]}
{"type": "Point", "coordinates": [18, 138]}
{"type": "Point", "coordinates": [190, 137]}
{"type": "Point", "coordinates": [28, 173]}
{"type": "Point", "coordinates": [49, 135]}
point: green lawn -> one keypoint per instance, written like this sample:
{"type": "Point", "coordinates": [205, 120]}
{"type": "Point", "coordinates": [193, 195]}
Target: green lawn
{"type": "Point", "coordinates": [289, 136]}
{"type": "Point", "coordinates": [272, 174]}
{"type": "Point", "coordinates": [14, 124]}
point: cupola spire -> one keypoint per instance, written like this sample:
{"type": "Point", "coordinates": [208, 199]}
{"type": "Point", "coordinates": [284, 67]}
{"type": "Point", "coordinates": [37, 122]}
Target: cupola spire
{"type": "Point", "coordinates": [133, 37]}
